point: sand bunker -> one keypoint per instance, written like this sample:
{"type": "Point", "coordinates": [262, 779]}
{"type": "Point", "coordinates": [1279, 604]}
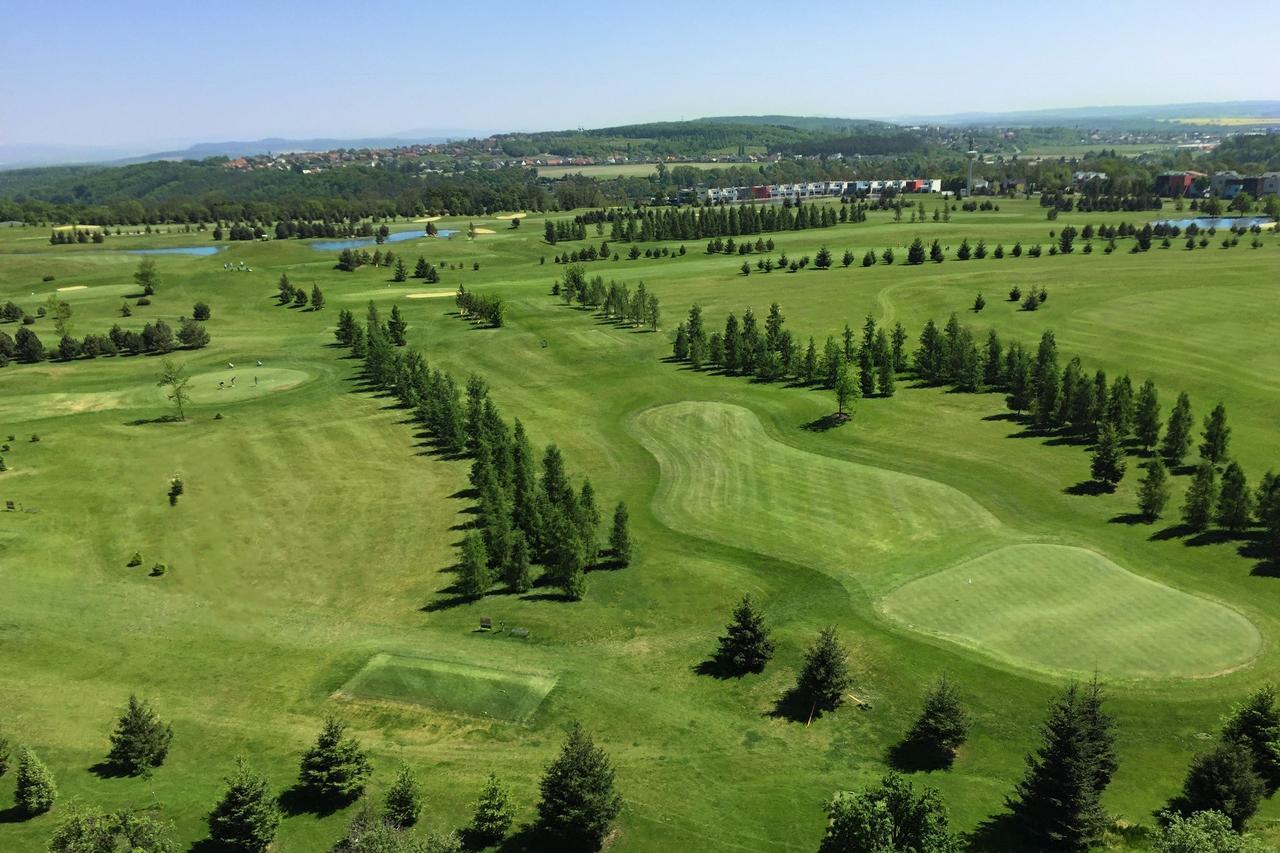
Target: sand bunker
{"type": "Point", "coordinates": [436, 295]}
{"type": "Point", "coordinates": [512, 216]}
{"type": "Point", "coordinates": [429, 219]}
{"type": "Point", "coordinates": [484, 231]}
{"type": "Point", "coordinates": [73, 287]}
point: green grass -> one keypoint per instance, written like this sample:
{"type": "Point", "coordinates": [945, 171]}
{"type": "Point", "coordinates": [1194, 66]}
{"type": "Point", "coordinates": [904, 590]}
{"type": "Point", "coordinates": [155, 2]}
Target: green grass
{"type": "Point", "coordinates": [445, 686]}
{"type": "Point", "coordinates": [316, 532]}
{"type": "Point", "coordinates": [1067, 609]}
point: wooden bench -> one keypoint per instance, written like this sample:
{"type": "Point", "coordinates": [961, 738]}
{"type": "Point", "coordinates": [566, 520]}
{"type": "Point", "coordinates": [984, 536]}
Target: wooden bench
{"type": "Point", "coordinates": [486, 624]}
{"type": "Point", "coordinates": [9, 507]}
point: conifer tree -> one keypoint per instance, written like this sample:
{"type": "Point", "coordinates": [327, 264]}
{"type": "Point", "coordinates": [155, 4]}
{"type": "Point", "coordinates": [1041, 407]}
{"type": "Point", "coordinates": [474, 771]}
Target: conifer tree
{"type": "Point", "coordinates": [246, 817]}
{"type": "Point", "coordinates": [620, 544]}
{"type": "Point", "coordinates": [1153, 490]}
{"type": "Point", "coordinates": [1268, 503]}
{"type": "Point", "coordinates": [1108, 458]}
{"type": "Point", "coordinates": [579, 803]}
{"type": "Point", "coordinates": [403, 801]}
{"type": "Point", "coordinates": [36, 791]}
{"type": "Point", "coordinates": [1146, 425]}
{"type": "Point", "coordinates": [334, 768]}
{"type": "Point", "coordinates": [1235, 501]}
{"type": "Point", "coordinates": [825, 676]}
{"type": "Point", "coordinates": [1256, 722]}
{"type": "Point", "coordinates": [888, 818]}
{"type": "Point", "coordinates": [1177, 435]}
{"type": "Point", "coordinates": [5, 747]}
{"type": "Point", "coordinates": [396, 326]}
{"type": "Point", "coordinates": [588, 518]}
{"type": "Point", "coordinates": [516, 571]}
{"type": "Point", "coordinates": [1120, 407]}
{"type": "Point", "coordinates": [1201, 498]}
{"type": "Point", "coordinates": [942, 727]}
{"type": "Point", "coordinates": [140, 741]}
{"type": "Point", "coordinates": [1222, 780]}
{"type": "Point", "coordinates": [746, 645]}
{"type": "Point", "coordinates": [473, 577]}
{"type": "Point", "coordinates": [493, 815]}
{"type": "Point", "coordinates": [1057, 804]}
{"type": "Point", "coordinates": [1216, 436]}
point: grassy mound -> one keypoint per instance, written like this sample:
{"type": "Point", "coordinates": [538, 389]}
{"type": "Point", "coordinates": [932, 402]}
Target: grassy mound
{"type": "Point", "coordinates": [725, 479]}
{"type": "Point", "coordinates": [444, 686]}
{"type": "Point", "coordinates": [1053, 607]}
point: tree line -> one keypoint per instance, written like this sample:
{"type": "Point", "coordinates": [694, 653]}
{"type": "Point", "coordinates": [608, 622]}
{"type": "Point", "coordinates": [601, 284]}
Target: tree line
{"type": "Point", "coordinates": [480, 307]}
{"type": "Point", "coordinates": [525, 518]}
{"type": "Point", "coordinates": [615, 302]}
{"type": "Point", "coordinates": [158, 337]}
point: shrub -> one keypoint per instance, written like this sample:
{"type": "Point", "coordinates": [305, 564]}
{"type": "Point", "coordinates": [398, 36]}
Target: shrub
{"type": "Point", "coordinates": [142, 300]}
{"type": "Point", "coordinates": [159, 569]}
{"type": "Point", "coordinates": [135, 560]}
{"type": "Point", "coordinates": [47, 278]}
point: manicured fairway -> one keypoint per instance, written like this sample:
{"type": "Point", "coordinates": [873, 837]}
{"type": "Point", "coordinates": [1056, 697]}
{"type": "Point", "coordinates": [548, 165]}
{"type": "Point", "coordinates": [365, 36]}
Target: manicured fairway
{"type": "Point", "coordinates": [1067, 609]}
{"type": "Point", "coordinates": [446, 686]}
{"type": "Point", "coordinates": [726, 479]}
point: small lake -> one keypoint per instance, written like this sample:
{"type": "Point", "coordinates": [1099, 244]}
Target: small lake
{"type": "Point", "coordinates": [362, 242]}
{"type": "Point", "coordinates": [179, 250]}
{"type": "Point", "coordinates": [1221, 223]}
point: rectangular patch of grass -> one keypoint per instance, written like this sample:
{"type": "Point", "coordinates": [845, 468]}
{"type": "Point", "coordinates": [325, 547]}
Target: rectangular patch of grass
{"type": "Point", "coordinates": [460, 688]}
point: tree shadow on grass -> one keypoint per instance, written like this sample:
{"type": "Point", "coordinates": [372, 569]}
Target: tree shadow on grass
{"type": "Point", "coordinates": [13, 814]}
{"type": "Point", "coordinates": [300, 800]}
{"type": "Point", "coordinates": [163, 419]}
{"type": "Point", "coordinates": [528, 838]}
{"type": "Point", "coordinates": [607, 562]}
{"type": "Point", "coordinates": [1004, 416]}
{"type": "Point", "coordinates": [1088, 487]}
{"type": "Point", "coordinates": [1129, 518]}
{"type": "Point", "coordinates": [794, 706]}
{"type": "Point", "coordinates": [997, 834]}
{"type": "Point", "coordinates": [826, 422]}
{"type": "Point", "coordinates": [910, 755]}
{"type": "Point", "coordinates": [1214, 537]}
{"type": "Point", "coordinates": [108, 769]}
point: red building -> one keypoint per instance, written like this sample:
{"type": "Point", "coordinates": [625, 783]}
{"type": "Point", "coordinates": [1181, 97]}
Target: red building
{"type": "Point", "coordinates": [1176, 184]}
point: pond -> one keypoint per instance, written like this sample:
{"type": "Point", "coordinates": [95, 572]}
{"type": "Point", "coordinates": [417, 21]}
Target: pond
{"type": "Point", "coordinates": [362, 242]}
{"type": "Point", "coordinates": [179, 250]}
{"type": "Point", "coordinates": [1220, 223]}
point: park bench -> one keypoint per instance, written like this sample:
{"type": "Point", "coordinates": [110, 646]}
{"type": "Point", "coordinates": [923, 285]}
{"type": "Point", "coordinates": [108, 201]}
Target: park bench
{"type": "Point", "coordinates": [520, 632]}
{"type": "Point", "coordinates": [9, 507]}
{"type": "Point", "coordinates": [486, 624]}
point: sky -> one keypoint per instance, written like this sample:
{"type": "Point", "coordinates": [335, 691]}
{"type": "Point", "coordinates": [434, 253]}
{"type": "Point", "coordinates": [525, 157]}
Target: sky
{"type": "Point", "coordinates": [119, 73]}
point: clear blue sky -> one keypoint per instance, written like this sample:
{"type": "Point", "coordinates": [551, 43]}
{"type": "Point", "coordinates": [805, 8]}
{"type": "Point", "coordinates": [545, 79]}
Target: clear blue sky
{"type": "Point", "coordinates": [89, 72]}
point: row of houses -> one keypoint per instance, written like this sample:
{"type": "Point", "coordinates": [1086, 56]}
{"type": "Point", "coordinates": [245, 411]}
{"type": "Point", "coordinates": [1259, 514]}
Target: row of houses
{"type": "Point", "coordinates": [816, 189]}
{"type": "Point", "coordinates": [1226, 185]}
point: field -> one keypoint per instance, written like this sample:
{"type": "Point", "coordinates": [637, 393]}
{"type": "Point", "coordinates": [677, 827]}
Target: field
{"type": "Point", "coordinates": [307, 556]}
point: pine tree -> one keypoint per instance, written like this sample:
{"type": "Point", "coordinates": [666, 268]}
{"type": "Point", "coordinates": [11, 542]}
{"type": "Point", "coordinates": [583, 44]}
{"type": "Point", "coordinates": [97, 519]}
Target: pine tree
{"type": "Point", "coordinates": [1153, 490]}
{"type": "Point", "coordinates": [825, 676]}
{"type": "Point", "coordinates": [334, 768]}
{"type": "Point", "coordinates": [620, 544]}
{"type": "Point", "coordinates": [396, 326]}
{"type": "Point", "coordinates": [1057, 804]}
{"type": "Point", "coordinates": [493, 816]}
{"type": "Point", "coordinates": [1120, 407]}
{"type": "Point", "coordinates": [1201, 499]}
{"type": "Point", "coordinates": [588, 518]}
{"type": "Point", "coordinates": [746, 645]}
{"type": "Point", "coordinates": [246, 817]}
{"type": "Point", "coordinates": [1108, 458]}
{"type": "Point", "coordinates": [473, 577]}
{"type": "Point", "coordinates": [36, 791]}
{"type": "Point", "coordinates": [1216, 435]}
{"type": "Point", "coordinates": [1268, 503]}
{"type": "Point", "coordinates": [1147, 415]}
{"type": "Point", "coordinates": [941, 727]}
{"type": "Point", "coordinates": [579, 803]}
{"type": "Point", "coordinates": [846, 391]}
{"type": "Point", "coordinates": [1257, 723]}
{"type": "Point", "coordinates": [5, 746]}
{"type": "Point", "coordinates": [1235, 501]}
{"type": "Point", "coordinates": [403, 802]}
{"type": "Point", "coordinates": [1177, 435]}
{"type": "Point", "coordinates": [1222, 780]}
{"type": "Point", "coordinates": [516, 572]}
{"type": "Point", "coordinates": [140, 741]}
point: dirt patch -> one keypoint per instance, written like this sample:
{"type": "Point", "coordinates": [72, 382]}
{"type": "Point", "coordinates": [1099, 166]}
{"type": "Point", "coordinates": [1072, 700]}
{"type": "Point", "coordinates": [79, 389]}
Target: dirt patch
{"type": "Point", "coordinates": [437, 295]}
{"type": "Point", "coordinates": [73, 287]}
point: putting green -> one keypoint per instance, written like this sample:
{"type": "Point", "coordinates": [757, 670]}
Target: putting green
{"type": "Point", "coordinates": [204, 386]}
{"type": "Point", "coordinates": [445, 686]}
{"type": "Point", "coordinates": [1064, 609]}
{"type": "Point", "coordinates": [724, 479]}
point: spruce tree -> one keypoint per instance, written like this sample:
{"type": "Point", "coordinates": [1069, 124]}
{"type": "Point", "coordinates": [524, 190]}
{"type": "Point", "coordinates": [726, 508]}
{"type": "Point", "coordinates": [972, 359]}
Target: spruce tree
{"type": "Point", "coordinates": [1235, 501]}
{"type": "Point", "coordinates": [825, 676]}
{"type": "Point", "coordinates": [746, 645]}
{"type": "Point", "coordinates": [1057, 804]}
{"type": "Point", "coordinates": [140, 741]}
{"type": "Point", "coordinates": [1108, 462]}
{"type": "Point", "coordinates": [588, 518]}
{"type": "Point", "coordinates": [403, 802]}
{"type": "Point", "coordinates": [1268, 503]}
{"type": "Point", "coordinates": [579, 803]}
{"type": "Point", "coordinates": [1216, 435]}
{"type": "Point", "coordinates": [1120, 407]}
{"type": "Point", "coordinates": [246, 817]}
{"type": "Point", "coordinates": [516, 572]}
{"type": "Point", "coordinates": [36, 791]}
{"type": "Point", "coordinates": [473, 577]}
{"type": "Point", "coordinates": [493, 816]}
{"type": "Point", "coordinates": [5, 747]}
{"type": "Point", "coordinates": [396, 326]}
{"type": "Point", "coordinates": [1177, 435]}
{"type": "Point", "coordinates": [941, 728]}
{"type": "Point", "coordinates": [1153, 490]}
{"type": "Point", "coordinates": [1222, 780]}
{"type": "Point", "coordinates": [620, 544]}
{"type": "Point", "coordinates": [1146, 426]}
{"type": "Point", "coordinates": [334, 768]}
{"type": "Point", "coordinates": [1257, 724]}
{"type": "Point", "coordinates": [1201, 498]}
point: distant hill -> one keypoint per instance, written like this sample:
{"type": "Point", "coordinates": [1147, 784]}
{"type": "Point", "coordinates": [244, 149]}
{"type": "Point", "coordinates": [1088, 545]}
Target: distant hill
{"type": "Point", "coordinates": [800, 122]}
{"type": "Point", "coordinates": [1106, 116]}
